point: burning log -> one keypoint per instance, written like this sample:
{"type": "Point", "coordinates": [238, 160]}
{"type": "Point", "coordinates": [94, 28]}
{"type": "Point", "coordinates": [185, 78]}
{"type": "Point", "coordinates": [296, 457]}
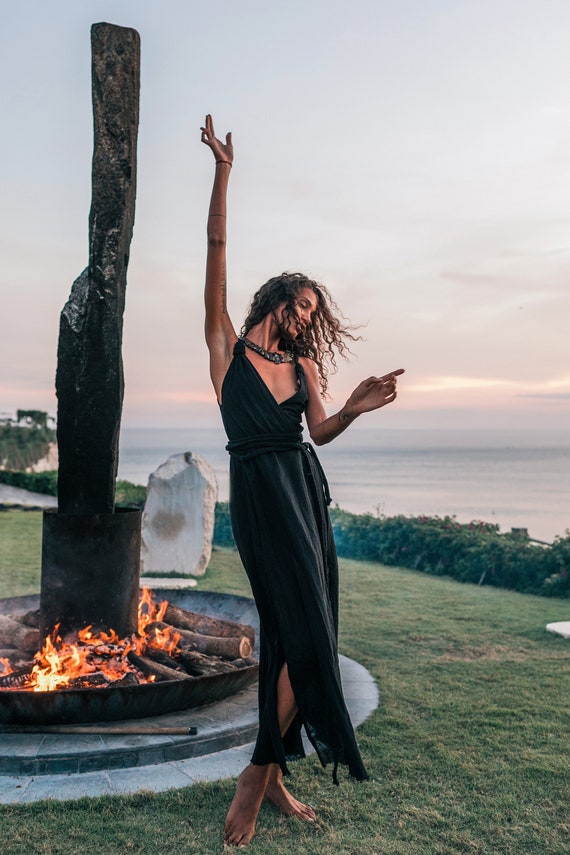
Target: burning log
{"type": "Point", "coordinates": [245, 663]}
{"type": "Point", "coordinates": [89, 681]}
{"type": "Point", "coordinates": [31, 618]}
{"type": "Point", "coordinates": [150, 668]}
{"type": "Point", "coordinates": [162, 657]}
{"type": "Point", "coordinates": [99, 679]}
{"type": "Point", "coordinates": [227, 648]}
{"type": "Point", "coordinates": [16, 635]}
{"type": "Point", "coordinates": [205, 625]}
{"type": "Point", "coordinates": [16, 679]}
{"type": "Point", "coordinates": [200, 665]}
{"type": "Point", "coordinates": [14, 656]}
{"type": "Point", "coordinates": [130, 679]}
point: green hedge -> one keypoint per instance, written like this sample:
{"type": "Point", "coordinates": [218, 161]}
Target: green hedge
{"type": "Point", "coordinates": [223, 535]}
{"type": "Point", "coordinates": [36, 482]}
{"type": "Point", "coordinates": [129, 495]}
{"type": "Point", "coordinates": [475, 552]}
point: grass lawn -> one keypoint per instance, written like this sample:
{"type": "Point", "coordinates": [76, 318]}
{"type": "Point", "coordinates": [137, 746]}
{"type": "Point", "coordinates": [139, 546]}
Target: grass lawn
{"type": "Point", "coordinates": [469, 751]}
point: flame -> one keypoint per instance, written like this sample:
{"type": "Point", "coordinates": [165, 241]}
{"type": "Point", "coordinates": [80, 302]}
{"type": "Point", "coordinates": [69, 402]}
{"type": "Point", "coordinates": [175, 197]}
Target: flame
{"type": "Point", "coordinates": [166, 639]}
{"type": "Point", "coordinates": [95, 659]}
{"type": "Point", "coordinates": [149, 612]}
{"type": "Point", "coordinates": [5, 667]}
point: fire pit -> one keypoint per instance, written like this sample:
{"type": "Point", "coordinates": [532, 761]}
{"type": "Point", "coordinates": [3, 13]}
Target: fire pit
{"type": "Point", "coordinates": [214, 678]}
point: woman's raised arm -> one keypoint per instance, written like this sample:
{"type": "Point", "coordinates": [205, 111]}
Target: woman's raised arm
{"type": "Point", "coordinates": [220, 334]}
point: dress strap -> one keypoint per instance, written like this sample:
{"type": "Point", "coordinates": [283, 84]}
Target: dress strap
{"type": "Point", "coordinates": [239, 347]}
{"type": "Point", "coordinates": [299, 370]}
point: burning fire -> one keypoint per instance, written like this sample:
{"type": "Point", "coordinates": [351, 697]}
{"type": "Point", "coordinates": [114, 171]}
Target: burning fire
{"type": "Point", "coordinates": [98, 658]}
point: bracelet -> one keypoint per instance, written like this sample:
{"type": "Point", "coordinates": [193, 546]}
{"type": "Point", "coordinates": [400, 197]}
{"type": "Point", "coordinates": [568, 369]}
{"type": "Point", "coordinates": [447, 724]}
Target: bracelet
{"type": "Point", "coordinates": [224, 161]}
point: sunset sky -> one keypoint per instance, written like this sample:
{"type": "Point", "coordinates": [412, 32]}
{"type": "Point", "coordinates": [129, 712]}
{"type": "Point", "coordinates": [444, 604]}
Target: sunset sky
{"type": "Point", "coordinates": [413, 155]}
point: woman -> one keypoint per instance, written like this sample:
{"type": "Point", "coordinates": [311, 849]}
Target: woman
{"type": "Point", "coordinates": [265, 380]}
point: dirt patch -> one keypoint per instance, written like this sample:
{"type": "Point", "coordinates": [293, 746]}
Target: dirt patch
{"type": "Point", "coordinates": [496, 653]}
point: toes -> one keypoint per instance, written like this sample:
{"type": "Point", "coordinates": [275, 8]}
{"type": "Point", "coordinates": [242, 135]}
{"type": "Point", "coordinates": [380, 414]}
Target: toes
{"type": "Point", "coordinates": [308, 814]}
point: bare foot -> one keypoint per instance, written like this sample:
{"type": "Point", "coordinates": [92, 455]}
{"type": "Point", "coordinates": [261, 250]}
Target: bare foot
{"type": "Point", "coordinates": [276, 793]}
{"type": "Point", "coordinates": [242, 815]}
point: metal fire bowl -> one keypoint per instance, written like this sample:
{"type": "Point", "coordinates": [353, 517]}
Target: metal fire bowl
{"type": "Point", "coordinates": [77, 706]}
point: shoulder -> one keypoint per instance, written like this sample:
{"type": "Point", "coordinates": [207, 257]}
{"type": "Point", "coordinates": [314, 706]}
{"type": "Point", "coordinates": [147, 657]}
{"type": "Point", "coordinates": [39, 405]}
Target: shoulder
{"type": "Point", "coordinates": [309, 366]}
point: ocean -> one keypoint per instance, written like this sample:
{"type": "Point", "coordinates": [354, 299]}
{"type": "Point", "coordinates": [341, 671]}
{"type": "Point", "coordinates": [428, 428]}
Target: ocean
{"type": "Point", "coordinates": [516, 479]}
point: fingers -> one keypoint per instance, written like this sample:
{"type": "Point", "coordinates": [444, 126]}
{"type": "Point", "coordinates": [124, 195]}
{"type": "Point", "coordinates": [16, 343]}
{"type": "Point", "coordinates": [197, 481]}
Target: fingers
{"type": "Point", "coordinates": [208, 131]}
{"type": "Point", "coordinates": [393, 374]}
{"type": "Point", "coordinates": [229, 138]}
{"type": "Point", "coordinates": [385, 378]}
{"type": "Point", "coordinates": [386, 386]}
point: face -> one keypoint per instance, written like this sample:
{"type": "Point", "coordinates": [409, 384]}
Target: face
{"type": "Point", "coordinates": [305, 305]}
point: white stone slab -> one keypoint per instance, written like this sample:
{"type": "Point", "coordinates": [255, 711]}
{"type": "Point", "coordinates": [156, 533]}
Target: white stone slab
{"type": "Point", "coordinates": [178, 518]}
{"type": "Point", "coordinates": [562, 627]}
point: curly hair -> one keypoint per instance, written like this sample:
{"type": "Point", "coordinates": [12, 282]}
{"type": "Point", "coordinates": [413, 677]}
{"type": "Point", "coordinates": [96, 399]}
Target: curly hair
{"type": "Point", "coordinates": [326, 335]}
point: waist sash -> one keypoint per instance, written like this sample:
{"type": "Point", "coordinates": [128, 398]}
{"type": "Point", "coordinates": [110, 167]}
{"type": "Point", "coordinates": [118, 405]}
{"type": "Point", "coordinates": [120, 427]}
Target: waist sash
{"type": "Point", "coordinates": [251, 447]}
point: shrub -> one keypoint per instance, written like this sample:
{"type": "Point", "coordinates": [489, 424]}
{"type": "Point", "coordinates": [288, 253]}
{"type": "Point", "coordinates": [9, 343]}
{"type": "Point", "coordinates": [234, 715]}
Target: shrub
{"type": "Point", "coordinates": [36, 482]}
{"type": "Point", "coordinates": [129, 495]}
{"type": "Point", "coordinates": [475, 552]}
{"type": "Point", "coordinates": [223, 535]}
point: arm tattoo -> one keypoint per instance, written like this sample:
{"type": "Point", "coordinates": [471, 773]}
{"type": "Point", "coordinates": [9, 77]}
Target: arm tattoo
{"type": "Point", "coordinates": [223, 290]}
{"type": "Point", "coordinates": [344, 416]}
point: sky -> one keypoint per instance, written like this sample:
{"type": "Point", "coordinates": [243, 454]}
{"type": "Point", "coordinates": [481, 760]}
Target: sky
{"type": "Point", "coordinates": [413, 155]}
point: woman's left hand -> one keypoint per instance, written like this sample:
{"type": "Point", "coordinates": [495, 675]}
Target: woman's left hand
{"type": "Point", "coordinates": [373, 393]}
{"type": "Point", "coordinates": [223, 152]}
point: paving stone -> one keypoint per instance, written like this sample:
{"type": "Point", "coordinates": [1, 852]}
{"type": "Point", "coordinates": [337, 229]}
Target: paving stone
{"type": "Point", "coordinates": [216, 767]}
{"type": "Point", "coordinates": [12, 788]}
{"type": "Point", "coordinates": [561, 627]}
{"type": "Point", "coordinates": [62, 787]}
{"type": "Point", "coordinates": [167, 776]}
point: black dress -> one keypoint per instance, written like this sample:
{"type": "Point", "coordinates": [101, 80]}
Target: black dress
{"type": "Point", "coordinates": [278, 503]}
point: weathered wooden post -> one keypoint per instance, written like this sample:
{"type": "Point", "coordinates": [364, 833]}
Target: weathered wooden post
{"type": "Point", "coordinates": [90, 554]}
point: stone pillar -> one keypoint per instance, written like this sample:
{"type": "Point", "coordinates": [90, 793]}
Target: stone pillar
{"type": "Point", "coordinates": [89, 379]}
{"type": "Point", "coordinates": [91, 555]}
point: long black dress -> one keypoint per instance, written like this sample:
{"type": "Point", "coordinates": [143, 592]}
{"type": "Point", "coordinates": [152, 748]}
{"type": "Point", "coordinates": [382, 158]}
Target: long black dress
{"type": "Point", "coordinates": [278, 503]}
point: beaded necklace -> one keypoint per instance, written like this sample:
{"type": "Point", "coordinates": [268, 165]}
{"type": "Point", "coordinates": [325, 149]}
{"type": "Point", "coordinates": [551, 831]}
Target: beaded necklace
{"type": "Point", "coordinates": [272, 355]}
